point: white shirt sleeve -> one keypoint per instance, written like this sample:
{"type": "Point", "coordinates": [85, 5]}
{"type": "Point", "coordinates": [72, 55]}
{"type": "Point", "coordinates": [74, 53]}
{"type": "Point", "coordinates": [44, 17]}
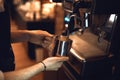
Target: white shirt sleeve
{"type": "Point", "coordinates": [1, 75]}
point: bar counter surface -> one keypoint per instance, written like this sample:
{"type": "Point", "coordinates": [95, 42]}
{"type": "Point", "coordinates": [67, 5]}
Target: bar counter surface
{"type": "Point", "coordinates": [88, 59]}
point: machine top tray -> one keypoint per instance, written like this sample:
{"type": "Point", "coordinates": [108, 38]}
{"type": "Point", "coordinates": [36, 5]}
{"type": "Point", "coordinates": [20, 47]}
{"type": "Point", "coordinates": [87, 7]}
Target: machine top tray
{"type": "Point", "coordinates": [87, 46]}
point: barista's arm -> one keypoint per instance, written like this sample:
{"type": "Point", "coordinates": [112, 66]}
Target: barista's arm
{"type": "Point", "coordinates": [51, 63]}
{"type": "Point", "coordinates": [19, 36]}
{"type": "Point", "coordinates": [34, 36]}
{"type": "Point", "coordinates": [24, 74]}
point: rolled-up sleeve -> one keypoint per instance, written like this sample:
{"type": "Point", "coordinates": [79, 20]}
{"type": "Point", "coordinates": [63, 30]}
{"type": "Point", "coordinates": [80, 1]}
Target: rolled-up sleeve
{"type": "Point", "coordinates": [1, 76]}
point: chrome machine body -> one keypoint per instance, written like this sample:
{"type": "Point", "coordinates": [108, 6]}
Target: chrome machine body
{"type": "Point", "coordinates": [90, 54]}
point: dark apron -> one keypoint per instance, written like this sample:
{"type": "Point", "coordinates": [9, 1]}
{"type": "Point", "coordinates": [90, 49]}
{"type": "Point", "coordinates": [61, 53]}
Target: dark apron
{"type": "Point", "coordinates": [6, 53]}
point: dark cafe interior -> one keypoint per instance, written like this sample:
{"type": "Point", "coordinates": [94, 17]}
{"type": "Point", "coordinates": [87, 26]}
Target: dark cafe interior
{"type": "Point", "coordinates": [91, 29]}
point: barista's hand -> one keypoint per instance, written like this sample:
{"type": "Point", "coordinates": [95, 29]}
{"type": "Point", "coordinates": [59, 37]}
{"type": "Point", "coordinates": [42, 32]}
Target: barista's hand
{"type": "Point", "coordinates": [54, 63]}
{"type": "Point", "coordinates": [40, 37]}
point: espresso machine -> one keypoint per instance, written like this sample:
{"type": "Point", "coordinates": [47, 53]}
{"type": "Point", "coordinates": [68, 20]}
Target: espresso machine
{"type": "Point", "coordinates": [91, 25]}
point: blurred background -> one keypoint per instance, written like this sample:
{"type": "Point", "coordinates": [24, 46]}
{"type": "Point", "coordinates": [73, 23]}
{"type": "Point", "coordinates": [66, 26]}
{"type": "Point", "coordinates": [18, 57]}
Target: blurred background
{"type": "Point", "coordinates": [92, 25]}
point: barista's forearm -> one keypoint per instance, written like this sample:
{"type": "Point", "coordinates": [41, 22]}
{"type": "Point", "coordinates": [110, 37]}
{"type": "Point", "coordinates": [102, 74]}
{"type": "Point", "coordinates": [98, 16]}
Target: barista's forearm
{"type": "Point", "coordinates": [19, 36]}
{"type": "Point", "coordinates": [24, 74]}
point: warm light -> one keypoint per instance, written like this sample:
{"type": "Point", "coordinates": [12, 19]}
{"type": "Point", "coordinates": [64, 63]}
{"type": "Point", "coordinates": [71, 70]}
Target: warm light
{"type": "Point", "coordinates": [76, 55]}
{"type": "Point", "coordinates": [51, 0]}
{"type": "Point", "coordinates": [37, 5]}
{"type": "Point", "coordinates": [48, 10]}
{"type": "Point", "coordinates": [112, 17]}
{"type": "Point", "coordinates": [66, 25]}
